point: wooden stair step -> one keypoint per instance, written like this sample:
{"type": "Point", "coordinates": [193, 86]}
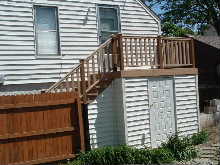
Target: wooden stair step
{"type": "Point", "coordinates": [92, 94]}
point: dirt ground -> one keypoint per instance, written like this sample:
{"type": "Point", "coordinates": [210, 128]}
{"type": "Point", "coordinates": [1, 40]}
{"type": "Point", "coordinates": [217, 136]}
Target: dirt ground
{"type": "Point", "coordinates": [214, 135]}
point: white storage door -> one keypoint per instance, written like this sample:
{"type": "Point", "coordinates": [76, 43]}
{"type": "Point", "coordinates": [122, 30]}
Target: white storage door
{"type": "Point", "coordinates": [162, 115]}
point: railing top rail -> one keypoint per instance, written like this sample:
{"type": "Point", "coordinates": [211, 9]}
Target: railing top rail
{"type": "Point", "coordinates": [176, 39]}
{"type": "Point", "coordinates": [131, 36]}
{"type": "Point", "coordinates": [100, 47]}
{"type": "Point", "coordinates": [65, 77]}
{"type": "Point", "coordinates": [155, 37]}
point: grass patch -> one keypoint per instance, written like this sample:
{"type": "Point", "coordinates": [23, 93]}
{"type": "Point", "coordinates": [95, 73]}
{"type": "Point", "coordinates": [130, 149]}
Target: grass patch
{"type": "Point", "coordinates": [200, 138]}
{"type": "Point", "coordinates": [182, 148]}
{"type": "Point", "coordinates": [124, 155]}
{"type": "Point", "coordinates": [175, 149]}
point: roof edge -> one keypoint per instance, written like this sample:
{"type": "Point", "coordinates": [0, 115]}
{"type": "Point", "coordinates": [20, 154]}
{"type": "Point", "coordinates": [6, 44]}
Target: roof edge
{"type": "Point", "coordinates": [152, 13]}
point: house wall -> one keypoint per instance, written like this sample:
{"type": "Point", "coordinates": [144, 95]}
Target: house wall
{"type": "Point", "coordinates": [78, 36]}
{"type": "Point", "coordinates": [122, 111]}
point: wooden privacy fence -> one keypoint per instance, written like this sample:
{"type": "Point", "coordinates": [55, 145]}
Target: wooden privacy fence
{"type": "Point", "coordinates": [40, 128]}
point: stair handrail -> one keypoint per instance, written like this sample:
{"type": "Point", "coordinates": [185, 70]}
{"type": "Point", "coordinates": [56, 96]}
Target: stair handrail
{"type": "Point", "coordinates": [75, 69]}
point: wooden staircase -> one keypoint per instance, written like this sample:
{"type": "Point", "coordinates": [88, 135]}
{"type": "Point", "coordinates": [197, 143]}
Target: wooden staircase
{"type": "Point", "coordinates": [91, 76]}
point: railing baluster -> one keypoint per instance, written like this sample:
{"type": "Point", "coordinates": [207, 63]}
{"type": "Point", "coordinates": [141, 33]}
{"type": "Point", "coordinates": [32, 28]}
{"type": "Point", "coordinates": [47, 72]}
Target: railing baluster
{"type": "Point", "coordinates": [177, 52]}
{"type": "Point", "coordinates": [193, 53]}
{"type": "Point", "coordinates": [126, 52]}
{"type": "Point", "coordinates": [155, 53]}
{"type": "Point", "coordinates": [141, 53]}
{"type": "Point", "coordinates": [83, 81]}
{"type": "Point", "coordinates": [93, 69]}
{"type": "Point", "coordinates": [187, 53]}
{"type": "Point", "coordinates": [180, 52]}
{"type": "Point", "coordinates": [172, 53]}
{"type": "Point", "coordinates": [150, 58]}
{"type": "Point", "coordinates": [88, 72]}
{"type": "Point", "coordinates": [67, 85]}
{"type": "Point", "coordinates": [145, 51]}
{"type": "Point", "coordinates": [108, 60]}
{"type": "Point", "coordinates": [136, 53]}
{"type": "Point", "coordinates": [131, 52]}
{"type": "Point", "coordinates": [72, 82]}
{"type": "Point", "coordinates": [78, 81]}
{"type": "Point", "coordinates": [184, 53]}
{"type": "Point", "coordinates": [160, 54]}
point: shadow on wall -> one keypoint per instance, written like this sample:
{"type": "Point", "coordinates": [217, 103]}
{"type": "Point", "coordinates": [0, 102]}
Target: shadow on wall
{"type": "Point", "coordinates": [103, 131]}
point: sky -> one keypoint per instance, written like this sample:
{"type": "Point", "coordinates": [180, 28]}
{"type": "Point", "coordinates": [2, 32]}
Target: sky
{"type": "Point", "coordinates": [156, 9]}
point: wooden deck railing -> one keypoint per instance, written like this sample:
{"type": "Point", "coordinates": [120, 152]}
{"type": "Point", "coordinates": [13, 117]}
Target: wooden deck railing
{"type": "Point", "coordinates": [158, 52]}
{"type": "Point", "coordinates": [140, 51]}
{"type": "Point", "coordinates": [177, 52]}
{"type": "Point", "coordinates": [124, 52]}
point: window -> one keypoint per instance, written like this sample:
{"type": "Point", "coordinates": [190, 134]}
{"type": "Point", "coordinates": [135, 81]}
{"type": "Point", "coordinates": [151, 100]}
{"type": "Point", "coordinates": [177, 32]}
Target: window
{"type": "Point", "coordinates": [108, 22]}
{"type": "Point", "coordinates": [46, 30]}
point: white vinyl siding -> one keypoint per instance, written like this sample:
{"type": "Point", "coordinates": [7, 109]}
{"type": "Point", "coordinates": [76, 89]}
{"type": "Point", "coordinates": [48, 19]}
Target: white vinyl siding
{"type": "Point", "coordinates": [105, 114]}
{"type": "Point", "coordinates": [78, 36]}
{"type": "Point", "coordinates": [186, 104]}
{"type": "Point", "coordinates": [136, 100]}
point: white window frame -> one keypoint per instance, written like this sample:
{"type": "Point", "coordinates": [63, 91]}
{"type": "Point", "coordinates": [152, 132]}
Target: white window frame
{"type": "Point", "coordinates": [117, 8]}
{"type": "Point", "coordinates": [37, 55]}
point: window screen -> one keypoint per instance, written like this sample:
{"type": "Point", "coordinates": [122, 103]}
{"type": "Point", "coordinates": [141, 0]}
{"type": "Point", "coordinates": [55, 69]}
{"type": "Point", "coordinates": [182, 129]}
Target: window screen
{"type": "Point", "coordinates": [46, 27]}
{"type": "Point", "coordinates": [108, 22]}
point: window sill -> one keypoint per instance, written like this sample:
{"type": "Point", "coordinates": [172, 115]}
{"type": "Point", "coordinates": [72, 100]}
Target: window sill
{"type": "Point", "coordinates": [48, 57]}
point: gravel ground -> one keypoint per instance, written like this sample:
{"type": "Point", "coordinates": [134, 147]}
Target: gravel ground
{"type": "Point", "coordinates": [209, 153]}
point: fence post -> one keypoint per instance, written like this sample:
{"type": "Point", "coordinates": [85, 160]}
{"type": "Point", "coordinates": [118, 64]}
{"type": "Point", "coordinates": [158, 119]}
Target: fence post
{"type": "Point", "coordinates": [81, 125]}
{"type": "Point", "coordinates": [83, 81]}
{"type": "Point", "coordinates": [159, 53]}
{"type": "Point", "coordinates": [114, 53]}
{"type": "Point", "coordinates": [193, 58]}
{"type": "Point", "coordinates": [120, 51]}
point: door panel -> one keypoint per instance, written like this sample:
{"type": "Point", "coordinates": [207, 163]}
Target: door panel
{"type": "Point", "coordinates": [161, 110]}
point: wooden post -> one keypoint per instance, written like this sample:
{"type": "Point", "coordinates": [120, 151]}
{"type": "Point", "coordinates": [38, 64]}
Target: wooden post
{"type": "Point", "coordinates": [120, 51]}
{"type": "Point", "coordinates": [159, 53]}
{"type": "Point", "coordinates": [114, 53]}
{"type": "Point", "coordinates": [193, 58]}
{"type": "Point", "coordinates": [83, 81]}
{"type": "Point", "coordinates": [81, 125]}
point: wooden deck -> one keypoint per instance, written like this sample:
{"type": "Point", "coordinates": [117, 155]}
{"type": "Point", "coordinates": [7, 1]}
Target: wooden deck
{"type": "Point", "coordinates": [124, 53]}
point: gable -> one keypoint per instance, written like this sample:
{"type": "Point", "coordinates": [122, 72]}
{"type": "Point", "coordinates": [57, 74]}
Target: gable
{"type": "Point", "coordinates": [151, 12]}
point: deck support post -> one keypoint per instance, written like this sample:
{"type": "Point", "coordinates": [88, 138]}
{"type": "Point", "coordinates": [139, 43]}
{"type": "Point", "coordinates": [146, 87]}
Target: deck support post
{"type": "Point", "coordinates": [83, 81]}
{"type": "Point", "coordinates": [114, 53]}
{"type": "Point", "coordinates": [159, 52]}
{"type": "Point", "coordinates": [120, 51]}
{"type": "Point", "coordinates": [193, 53]}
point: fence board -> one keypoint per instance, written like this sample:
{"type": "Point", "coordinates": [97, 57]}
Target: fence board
{"type": "Point", "coordinates": [40, 128]}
